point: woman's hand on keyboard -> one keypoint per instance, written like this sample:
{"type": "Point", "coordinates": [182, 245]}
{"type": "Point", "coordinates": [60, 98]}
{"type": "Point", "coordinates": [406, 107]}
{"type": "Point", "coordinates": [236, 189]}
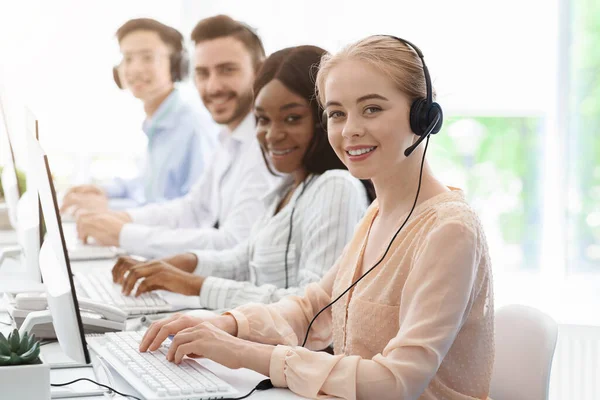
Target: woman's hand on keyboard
{"type": "Point", "coordinates": [206, 340]}
{"type": "Point", "coordinates": [186, 262]}
{"type": "Point", "coordinates": [159, 331]}
{"type": "Point", "coordinates": [122, 267]}
{"type": "Point", "coordinates": [159, 275]}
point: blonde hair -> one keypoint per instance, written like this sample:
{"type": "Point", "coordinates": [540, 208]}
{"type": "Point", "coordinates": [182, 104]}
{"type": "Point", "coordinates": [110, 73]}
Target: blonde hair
{"type": "Point", "coordinates": [390, 56]}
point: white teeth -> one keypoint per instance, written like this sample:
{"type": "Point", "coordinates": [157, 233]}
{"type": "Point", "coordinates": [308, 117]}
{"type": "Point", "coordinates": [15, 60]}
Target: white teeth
{"type": "Point", "coordinates": [281, 152]}
{"type": "Point", "coordinates": [221, 100]}
{"type": "Point", "coordinates": [359, 152]}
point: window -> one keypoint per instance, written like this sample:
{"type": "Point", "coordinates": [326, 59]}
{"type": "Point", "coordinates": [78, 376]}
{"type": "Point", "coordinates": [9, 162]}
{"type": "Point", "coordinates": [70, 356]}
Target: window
{"type": "Point", "coordinates": [584, 139]}
{"type": "Point", "coordinates": [496, 161]}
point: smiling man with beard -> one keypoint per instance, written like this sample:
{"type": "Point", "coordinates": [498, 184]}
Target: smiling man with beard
{"type": "Point", "coordinates": [180, 137]}
{"type": "Point", "coordinates": [222, 207]}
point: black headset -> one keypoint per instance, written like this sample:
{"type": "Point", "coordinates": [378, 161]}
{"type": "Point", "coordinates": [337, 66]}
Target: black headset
{"type": "Point", "coordinates": [178, 60]}
{"type": "Point", "coordinates": [426, 118]}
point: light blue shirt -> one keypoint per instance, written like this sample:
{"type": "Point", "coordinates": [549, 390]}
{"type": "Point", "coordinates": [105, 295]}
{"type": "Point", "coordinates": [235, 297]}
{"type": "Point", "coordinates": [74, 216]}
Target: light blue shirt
{"type": "Point", "coordinates": [181, 141]}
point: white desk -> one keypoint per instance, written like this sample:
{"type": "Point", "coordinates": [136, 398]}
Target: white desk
{"type": "Point", "coordinates": [243, 380]}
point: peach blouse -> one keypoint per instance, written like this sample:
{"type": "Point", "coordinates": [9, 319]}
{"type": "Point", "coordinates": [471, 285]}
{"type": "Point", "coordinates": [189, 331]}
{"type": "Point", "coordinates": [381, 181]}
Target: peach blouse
{"type": "Point", "coordinates": [420, 326]}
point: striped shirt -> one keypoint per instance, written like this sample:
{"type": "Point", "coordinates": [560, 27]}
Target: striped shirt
{"type": "Point", "coordinates": [325, 214]}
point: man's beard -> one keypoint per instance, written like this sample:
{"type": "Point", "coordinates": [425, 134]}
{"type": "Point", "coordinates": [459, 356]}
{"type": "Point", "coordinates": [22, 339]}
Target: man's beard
{"type": "Point", "coordinates": [242, 107]}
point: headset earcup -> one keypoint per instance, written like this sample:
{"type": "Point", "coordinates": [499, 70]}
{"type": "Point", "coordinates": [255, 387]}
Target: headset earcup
{"type": "Point", "coordinates": [180, 66]}
{"type": "Point", "coordinates": [323, 121]}
{"type": "Point", "coordinates": [421, 115]}
{"type": "Point", "coordinates": [418, 116]}
{"type": "Point", "coordinates": [434, 110]}
{"type": "Point", "coordinates": [116, 77]}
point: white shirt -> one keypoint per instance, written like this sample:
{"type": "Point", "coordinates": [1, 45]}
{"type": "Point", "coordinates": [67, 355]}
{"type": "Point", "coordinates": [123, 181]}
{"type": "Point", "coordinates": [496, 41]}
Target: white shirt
{"type": "Point", "coordinates": [229, 192]}
{"type": "Point", "coordinates": [254, 271]}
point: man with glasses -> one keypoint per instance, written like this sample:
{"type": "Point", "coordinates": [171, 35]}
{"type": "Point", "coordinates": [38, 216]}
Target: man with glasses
{"type": "Point", "coordinates": [180, 138]}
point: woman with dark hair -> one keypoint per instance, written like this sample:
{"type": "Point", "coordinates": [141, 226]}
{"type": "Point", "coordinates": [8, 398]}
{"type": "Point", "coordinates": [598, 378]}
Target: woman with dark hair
{"type": "Point", "coordinates": [310, 216]}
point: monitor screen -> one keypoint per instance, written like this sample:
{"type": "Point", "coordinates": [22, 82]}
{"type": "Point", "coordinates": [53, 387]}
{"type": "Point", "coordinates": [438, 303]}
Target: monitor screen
{"type": "Point", "coordinates": [55, 265]}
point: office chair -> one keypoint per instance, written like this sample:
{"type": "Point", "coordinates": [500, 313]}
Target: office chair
{"type": "Point", "coordinates": [525, 343]}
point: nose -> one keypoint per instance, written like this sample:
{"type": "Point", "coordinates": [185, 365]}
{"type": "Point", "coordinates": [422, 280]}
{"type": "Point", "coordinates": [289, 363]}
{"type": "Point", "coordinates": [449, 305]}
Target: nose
{"type": "Point", "coordinates": [274, 134]}
{"type": "Point", "coordinates": [353, 127]}
{"type": "Point", "coordinates": [132, 67]}
{"type": "Point", "coordinates": [214, 85]}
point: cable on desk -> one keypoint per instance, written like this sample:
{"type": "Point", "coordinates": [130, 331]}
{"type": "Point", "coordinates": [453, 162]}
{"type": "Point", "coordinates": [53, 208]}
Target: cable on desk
{"type": "Point", "coordinates": [99, 384]}
{"type": "Point", "coordinates": [262, 385]}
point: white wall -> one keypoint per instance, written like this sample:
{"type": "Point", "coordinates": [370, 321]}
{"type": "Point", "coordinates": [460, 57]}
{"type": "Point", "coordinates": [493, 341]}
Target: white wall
{"type": "Point", "coordinates": [485, 57]}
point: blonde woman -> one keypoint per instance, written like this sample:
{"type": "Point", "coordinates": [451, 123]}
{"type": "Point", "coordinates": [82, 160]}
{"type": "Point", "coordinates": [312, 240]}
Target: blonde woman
{"type": "Point", "coordinates": [420, 324]}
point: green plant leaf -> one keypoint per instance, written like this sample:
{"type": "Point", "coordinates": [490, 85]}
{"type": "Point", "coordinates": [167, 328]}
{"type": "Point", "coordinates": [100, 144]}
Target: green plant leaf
{"type": "Point", "coordinates": [15, 340]}
{"type": "Point", "coordinates": [32, 340]}
{"type": "Point", "coordinates": [24, 344]}
{"type": "Point", "coordinates": [31, 354]}
{"type": "Point", "coordinates": [4, 345]}
{"type": "Point", "coordinates": [15, 359]}
{"type": "Point", "coordinates": [4, 360]}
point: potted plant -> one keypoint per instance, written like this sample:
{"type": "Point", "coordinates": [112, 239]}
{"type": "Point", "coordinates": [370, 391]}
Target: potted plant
{"type": "Point", "coordinates": [23, 375]}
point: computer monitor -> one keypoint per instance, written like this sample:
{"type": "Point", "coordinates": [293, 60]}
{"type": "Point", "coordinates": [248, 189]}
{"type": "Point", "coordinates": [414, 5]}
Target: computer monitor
{"type": "Point", "coordinates": [55, 265]}
{"type": "Point", "coordinates": [10, 179]}
{"type": "Point", "coordinates": [24, 210]}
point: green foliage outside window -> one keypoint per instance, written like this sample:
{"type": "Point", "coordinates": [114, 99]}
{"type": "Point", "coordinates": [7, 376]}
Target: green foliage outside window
{"type": "Point", "coordinates": [584, 137]}
{"type": "Point", "coordinates": [499, 158]}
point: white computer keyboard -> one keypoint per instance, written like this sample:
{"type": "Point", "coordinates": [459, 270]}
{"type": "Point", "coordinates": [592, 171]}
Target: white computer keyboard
{"type": "Point", "coordinates": [98, 286]}
{"type": "Point", "coordinates": [153, 376]}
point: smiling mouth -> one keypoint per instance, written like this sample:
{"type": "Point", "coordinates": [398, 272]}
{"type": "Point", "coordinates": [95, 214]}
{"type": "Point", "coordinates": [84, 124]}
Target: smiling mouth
{"type": "Point", "coordinates": [360, 152]}
{"type": "Point", "coordinates": [136, 83]}
{"type": "Point", "coordinates": [218, 101]}
{"type": "Point", "coordinates": [281, 152]}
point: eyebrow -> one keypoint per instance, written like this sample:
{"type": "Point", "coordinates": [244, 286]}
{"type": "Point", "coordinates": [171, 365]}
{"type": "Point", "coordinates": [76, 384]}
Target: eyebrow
{"type": "Point", "coordinates": [225, 64]}
{"type": "Point", "coordinates": [370, 96]}
{"type": "Point", "coordinates": [283, 107]}
{"type": "Point", "coordinates": [360, 99]}
{"type": "Point", "coordinates": [138, 51]}
{"type": "Point", "coordinates": [291, 105]}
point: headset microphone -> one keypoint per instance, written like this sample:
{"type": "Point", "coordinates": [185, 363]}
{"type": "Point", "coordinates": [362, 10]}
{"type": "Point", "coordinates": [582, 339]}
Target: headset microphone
{"type": "Point", "coordinates": [428, 132]}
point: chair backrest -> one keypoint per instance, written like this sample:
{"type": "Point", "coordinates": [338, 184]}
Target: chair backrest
{"type": "Point", "coordinates": [525, 342]}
